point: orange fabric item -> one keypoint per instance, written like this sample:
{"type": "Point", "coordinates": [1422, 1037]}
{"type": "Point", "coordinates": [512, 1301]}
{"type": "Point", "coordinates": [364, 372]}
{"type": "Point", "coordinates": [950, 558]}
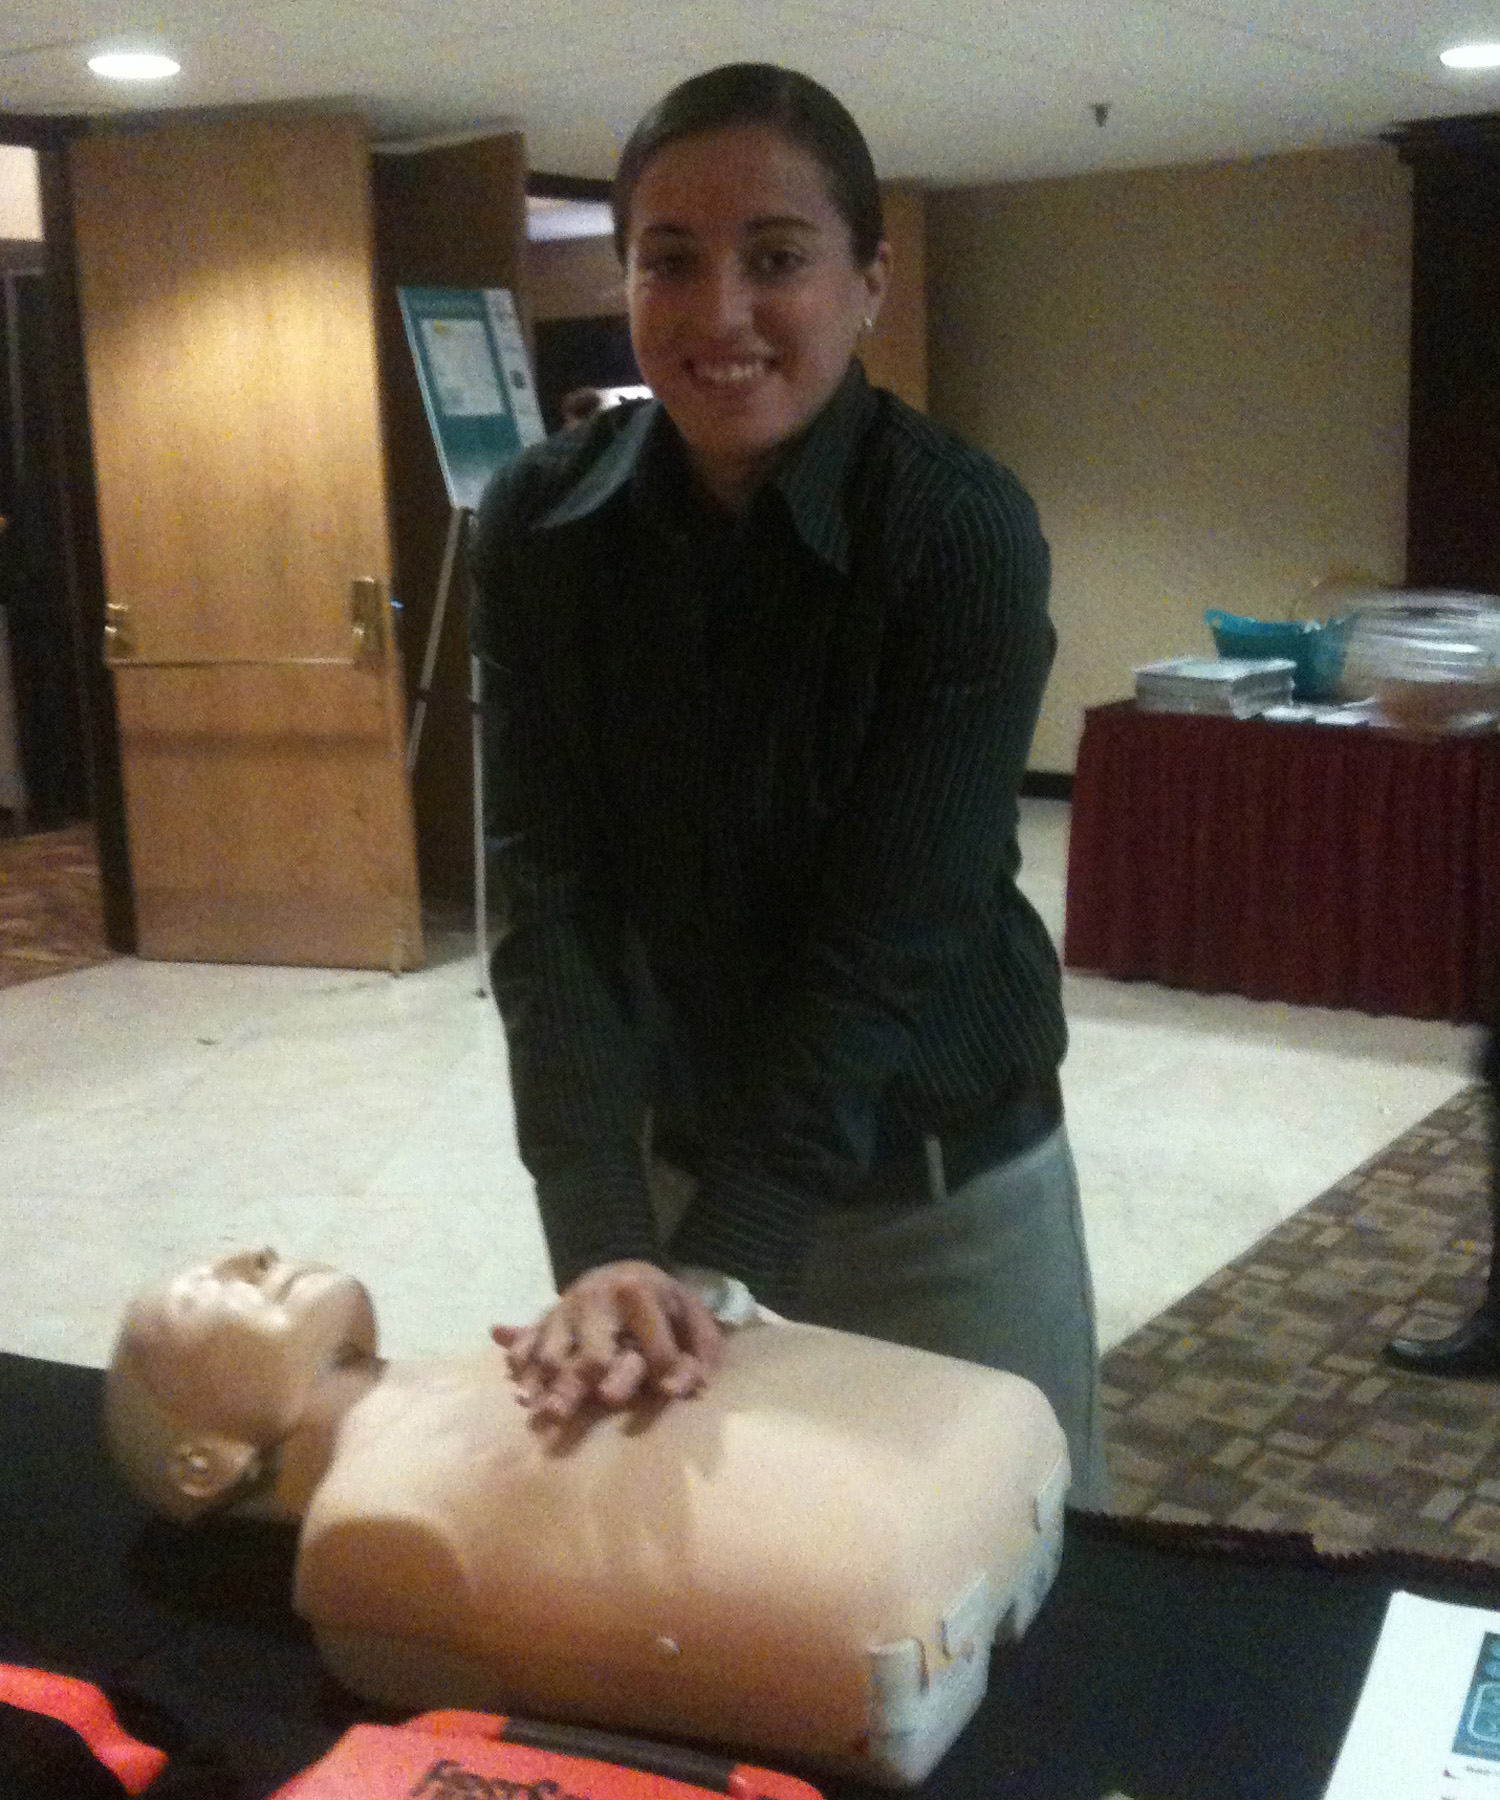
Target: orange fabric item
{"type": "Point", "coordinates": [81, 1706]}
{"type": "Point", "coordinates": [448, 1755]}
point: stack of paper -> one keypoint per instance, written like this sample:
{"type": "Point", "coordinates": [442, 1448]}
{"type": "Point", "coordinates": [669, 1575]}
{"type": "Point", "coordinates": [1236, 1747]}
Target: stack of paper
{"type": "Point", "coordinates": [1234, 687]}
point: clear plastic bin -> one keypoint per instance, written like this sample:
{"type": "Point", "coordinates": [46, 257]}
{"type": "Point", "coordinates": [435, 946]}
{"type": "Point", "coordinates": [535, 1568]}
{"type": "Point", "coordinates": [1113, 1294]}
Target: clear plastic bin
{"type": "Point", "coordinates": [1431, 661]}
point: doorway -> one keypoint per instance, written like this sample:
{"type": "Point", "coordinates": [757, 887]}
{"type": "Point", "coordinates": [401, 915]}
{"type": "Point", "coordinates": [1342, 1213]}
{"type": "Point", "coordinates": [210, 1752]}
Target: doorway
{"type": "Point", "coordinates": [577, 294]}
{"type": "Point", "coordinates": [51, 909]}
{"type": "Point", "coordinates": [43, 758]}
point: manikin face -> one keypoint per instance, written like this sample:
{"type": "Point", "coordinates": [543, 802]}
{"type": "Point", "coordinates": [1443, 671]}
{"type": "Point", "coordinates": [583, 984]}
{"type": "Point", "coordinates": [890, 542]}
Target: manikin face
{"type": "Point", "coordinates": [744, 295]}
{"type": "Point", "coordinates": [238, 1345]}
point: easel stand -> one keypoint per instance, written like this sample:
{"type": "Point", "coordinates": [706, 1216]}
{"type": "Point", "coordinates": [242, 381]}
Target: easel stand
{"type": "Point", "coordinates": [458, 525]}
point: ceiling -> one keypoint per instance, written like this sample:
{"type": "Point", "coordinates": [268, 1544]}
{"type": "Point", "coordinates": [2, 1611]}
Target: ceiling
{"type": "Point", "coordinates": [948, 91]}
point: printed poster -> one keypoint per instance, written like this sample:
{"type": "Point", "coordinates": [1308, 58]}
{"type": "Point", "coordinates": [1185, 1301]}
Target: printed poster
{"type": "Point", "coordinates": [477, 385]}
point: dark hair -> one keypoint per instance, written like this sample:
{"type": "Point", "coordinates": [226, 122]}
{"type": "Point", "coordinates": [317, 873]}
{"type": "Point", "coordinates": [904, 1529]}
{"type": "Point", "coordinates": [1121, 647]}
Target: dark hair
{"type": "Point", "coordinates": [762, 94]}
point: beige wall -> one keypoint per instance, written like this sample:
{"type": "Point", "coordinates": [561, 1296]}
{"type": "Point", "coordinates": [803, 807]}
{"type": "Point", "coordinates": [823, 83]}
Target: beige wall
{"type": "Point", "coordinates": [1201, 376]}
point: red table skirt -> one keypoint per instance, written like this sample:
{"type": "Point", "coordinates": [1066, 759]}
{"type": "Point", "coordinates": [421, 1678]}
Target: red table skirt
{"type": "Point", "coordinates": [1323, 865]}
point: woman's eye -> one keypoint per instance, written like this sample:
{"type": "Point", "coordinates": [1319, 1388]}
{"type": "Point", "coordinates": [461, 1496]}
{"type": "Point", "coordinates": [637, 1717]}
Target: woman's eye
{"type": "Point", "coordinates": [776, 261]}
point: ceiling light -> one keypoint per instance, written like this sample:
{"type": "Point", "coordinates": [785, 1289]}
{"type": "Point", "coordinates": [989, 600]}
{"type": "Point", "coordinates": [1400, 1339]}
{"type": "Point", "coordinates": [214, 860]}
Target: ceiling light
{"type": "Point", "coordinates": [1472, 56]}
{"type": "Point", "coordinates": [134, 65]}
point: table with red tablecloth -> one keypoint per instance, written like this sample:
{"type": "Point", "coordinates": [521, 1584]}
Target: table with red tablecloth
{"type": "Point", "coordinates": [1325, 865]}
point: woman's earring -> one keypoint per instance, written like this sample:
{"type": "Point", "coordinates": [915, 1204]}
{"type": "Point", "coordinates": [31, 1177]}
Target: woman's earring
{"type": "Point", "coordinates": [869, 323]}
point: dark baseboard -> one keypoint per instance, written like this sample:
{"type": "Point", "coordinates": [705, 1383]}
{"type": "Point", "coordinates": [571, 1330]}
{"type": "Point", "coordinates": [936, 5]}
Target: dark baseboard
{"type": "Point", "coordinates": [1047, 784]}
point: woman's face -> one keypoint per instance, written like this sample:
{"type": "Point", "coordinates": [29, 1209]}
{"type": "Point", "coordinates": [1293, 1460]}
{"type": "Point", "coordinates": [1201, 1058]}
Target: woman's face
{"type": "Point", "coordinates": [744, 295]}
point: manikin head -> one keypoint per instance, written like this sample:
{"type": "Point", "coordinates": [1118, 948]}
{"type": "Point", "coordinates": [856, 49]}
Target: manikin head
{"type": "Point", "coordinates": [216, 1366]}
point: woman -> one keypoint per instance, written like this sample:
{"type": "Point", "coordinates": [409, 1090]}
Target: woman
{"type": "Point", "coordinates": [764, 657]}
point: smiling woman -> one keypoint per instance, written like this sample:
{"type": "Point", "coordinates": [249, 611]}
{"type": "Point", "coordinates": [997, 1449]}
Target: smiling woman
{"type": "Point", "coordinates": [754, 258]}
{"type": "Point", "coordinates": [763, 659]}
{"type": "Point", "coordinates": [746, 296]}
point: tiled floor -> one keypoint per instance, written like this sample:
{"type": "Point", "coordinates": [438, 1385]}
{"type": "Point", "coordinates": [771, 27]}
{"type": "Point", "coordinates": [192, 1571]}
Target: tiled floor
{"type": "Point", "coordinates": [151, 1113]}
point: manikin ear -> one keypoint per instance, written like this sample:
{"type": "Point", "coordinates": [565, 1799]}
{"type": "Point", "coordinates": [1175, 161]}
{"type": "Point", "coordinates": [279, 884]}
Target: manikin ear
{"type": "Point", "coordinates": [206, 1467]}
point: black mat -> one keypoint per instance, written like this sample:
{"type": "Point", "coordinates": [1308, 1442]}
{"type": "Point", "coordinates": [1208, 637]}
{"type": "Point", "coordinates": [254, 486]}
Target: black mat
{"type": "Point", "coordinates": [1168, 1663]}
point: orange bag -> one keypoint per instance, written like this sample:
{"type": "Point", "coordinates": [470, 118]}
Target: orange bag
{"type": "Point", "coordinates": [85, 1709]}
{"type": "Point", "coordinates": [483, 1756]}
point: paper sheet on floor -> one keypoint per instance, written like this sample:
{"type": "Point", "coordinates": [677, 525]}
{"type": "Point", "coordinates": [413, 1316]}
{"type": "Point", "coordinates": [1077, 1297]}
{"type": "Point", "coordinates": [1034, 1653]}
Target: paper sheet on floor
{"type": "Point", "coordinates": [1427, 1725]}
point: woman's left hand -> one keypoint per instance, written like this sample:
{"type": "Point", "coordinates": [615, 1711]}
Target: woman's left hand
{"type": "Point", "coordinates": [620, 1333]}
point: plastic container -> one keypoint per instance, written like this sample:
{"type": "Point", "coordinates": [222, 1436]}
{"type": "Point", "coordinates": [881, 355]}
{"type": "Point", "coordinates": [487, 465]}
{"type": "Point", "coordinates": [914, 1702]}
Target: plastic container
{"type": "Point", "coordinates": [1320, 666]}
{"type": "Point", "coordinates": [1315, 646]}
{"type": "Point", "coordinates": [1430, 660]}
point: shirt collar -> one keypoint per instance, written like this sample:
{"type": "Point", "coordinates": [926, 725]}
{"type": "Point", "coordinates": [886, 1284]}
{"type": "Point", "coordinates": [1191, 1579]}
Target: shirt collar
{"type": "Point", "coordinates": [812, 480]}
{"type": "Point", "coordinates": [603, 479]}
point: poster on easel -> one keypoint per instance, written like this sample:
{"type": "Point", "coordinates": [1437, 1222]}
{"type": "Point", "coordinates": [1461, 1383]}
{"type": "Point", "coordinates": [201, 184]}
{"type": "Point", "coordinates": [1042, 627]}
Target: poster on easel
{"type": "Point", "coordinates": [476, 381]}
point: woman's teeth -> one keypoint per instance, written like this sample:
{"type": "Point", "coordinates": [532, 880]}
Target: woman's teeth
{"type": "Point", "coordinates": [728, 374]}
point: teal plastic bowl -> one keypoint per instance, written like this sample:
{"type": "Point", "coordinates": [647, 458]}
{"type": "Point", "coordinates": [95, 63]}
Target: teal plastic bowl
{"type": "Point", "coordinates": [1317, 648]}
{"type": "Point", "coordinates": [1320, 662]}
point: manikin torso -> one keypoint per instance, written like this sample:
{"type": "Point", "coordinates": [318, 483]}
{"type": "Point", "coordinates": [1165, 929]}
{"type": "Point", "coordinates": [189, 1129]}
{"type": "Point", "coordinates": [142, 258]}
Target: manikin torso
{"type": "Point", "coordinates": [811, 1557]}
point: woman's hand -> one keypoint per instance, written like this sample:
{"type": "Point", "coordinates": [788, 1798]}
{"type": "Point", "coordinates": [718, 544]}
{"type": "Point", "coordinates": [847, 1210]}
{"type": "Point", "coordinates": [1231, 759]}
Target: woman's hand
{"type": "Point", "coordinates": [622, 1332]}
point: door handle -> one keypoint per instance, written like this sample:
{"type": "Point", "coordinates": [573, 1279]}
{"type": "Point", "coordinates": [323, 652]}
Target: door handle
{"type": "Point", "coordinates": [117, 642]}
{"type": "Point", "coordinates": [367, 618]}
{"type": "Point", "coordinates": [367, 624]}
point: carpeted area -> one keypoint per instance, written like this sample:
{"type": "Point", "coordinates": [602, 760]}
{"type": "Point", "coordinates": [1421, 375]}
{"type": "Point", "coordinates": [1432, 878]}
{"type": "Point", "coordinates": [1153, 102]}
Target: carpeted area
{"type": "Point", "coordinates": [51, 920]}
{"type": "Point", "coordinates": [1260, 1399]}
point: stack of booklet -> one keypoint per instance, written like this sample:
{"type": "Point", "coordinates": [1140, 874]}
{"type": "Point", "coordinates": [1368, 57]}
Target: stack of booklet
{"type": "Point", "coordinates": [1232, 687]}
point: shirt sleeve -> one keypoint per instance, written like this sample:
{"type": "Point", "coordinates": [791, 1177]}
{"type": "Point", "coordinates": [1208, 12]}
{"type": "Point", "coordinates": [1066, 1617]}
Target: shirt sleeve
{"type": "Point", "coordinates": [917, 862]}
{"type": "Point", "coordinates": [557, 970]}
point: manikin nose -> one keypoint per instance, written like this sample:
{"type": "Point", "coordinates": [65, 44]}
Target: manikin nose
{"type": "Point", "coordinates": [248, 1265]}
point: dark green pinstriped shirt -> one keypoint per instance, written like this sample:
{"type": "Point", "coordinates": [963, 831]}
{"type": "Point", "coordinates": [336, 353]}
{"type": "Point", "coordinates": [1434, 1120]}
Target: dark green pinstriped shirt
{"type": "Point", "coordinates": [752, 791]}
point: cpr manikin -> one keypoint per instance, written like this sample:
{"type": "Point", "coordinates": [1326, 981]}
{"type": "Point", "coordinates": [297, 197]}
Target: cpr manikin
{"type": "Point", "coordinates": [810, 1558]}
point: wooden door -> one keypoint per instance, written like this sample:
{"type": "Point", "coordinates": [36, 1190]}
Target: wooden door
{"type": "Point", "coordinates": [226, 285]}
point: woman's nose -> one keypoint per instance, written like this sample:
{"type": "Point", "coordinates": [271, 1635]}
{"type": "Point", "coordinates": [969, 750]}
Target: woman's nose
{"type": "Point", "coordinates": [728, 301]}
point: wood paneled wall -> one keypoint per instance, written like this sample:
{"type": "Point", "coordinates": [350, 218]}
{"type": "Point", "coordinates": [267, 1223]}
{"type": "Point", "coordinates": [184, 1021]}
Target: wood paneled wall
{"type": "Point", "coordinates": [895, 354]}
{"type": "Point", "coordinates": [449, 217]}
{"type": "Point", "coordinates": [1453, 478]}
{"type": "Point", "coordinates": [575, 278]}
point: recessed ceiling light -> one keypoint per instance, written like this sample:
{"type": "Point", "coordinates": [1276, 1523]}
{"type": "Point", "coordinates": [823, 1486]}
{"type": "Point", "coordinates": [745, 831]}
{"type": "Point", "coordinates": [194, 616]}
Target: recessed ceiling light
{"type": "Point", "coordinates": [1472, 56]}
{"type": "Point", "coordinates": [134, 65]}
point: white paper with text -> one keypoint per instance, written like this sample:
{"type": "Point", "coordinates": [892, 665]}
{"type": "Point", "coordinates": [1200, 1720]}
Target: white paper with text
{"type": "Point", "coordinates": [1427, 1725]}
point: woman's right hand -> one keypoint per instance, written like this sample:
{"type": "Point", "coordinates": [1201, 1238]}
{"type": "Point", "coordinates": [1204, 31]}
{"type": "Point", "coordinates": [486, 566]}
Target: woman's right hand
{"type": "Point", "coordinates": [621, 1333]}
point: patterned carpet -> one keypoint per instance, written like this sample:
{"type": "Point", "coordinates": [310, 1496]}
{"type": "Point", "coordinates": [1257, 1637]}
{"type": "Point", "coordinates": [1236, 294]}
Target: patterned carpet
{"type": "Point", "coordinates": [1260, 1400]}
{"type": "Point", "coordinates": [50, 915]}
